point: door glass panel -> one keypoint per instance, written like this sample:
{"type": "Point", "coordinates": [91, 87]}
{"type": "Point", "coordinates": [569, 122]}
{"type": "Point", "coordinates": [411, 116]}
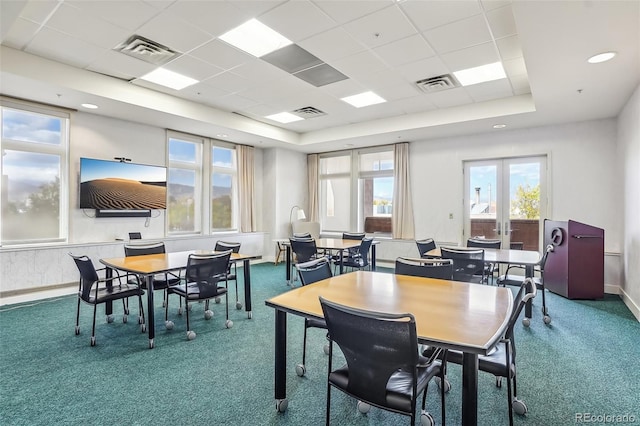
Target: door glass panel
{"type": "Point", "coordinates": [524, 204]}
{"type": "Point", "coordinates": [483, 183]}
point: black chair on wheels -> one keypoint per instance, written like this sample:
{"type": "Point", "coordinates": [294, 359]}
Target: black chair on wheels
{"type": "Point", "coordinates": [310, 272]}
{"type": "Point", "coordinates": [502, 362]}
{"type": "Point", "coordinates": [383, 367]}
{"type": "Point", "coordinates": [202, 282]}
{"type": "Point", "coordinates": [427, 268]}
{"type": "Point", "coordinates": [358, 258]}
{"type": "Point", "coordinates": [232, 273]}
{"type": "Point", "coordinates": [303, 249]}
{"type": "Point", "coordinates": [160, 281]}
{"type": "Point", "coordinates": [467, 263]}
{"type": "Point", "coordinates": [94, 290]}
{"type": "Point", "coordinates": [508, 279]}
{"type": "Point", "coordinates": [490, 269]}
{"type": "Point", "coordinates": [425, 246]}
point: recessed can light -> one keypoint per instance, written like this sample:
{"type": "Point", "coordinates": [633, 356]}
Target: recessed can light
{"type": "Point", "coordinates": [499, 126]}
{"type": "Point", "coordinates": [90, 106]}
{"type": "Point", "coordinates": [601, 57]}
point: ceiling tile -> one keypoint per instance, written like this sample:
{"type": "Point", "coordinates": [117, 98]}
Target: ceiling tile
{"type": "Point", "coordinates": [183, 37]}
{"type": "Point", "coordinates": [501, 22]}
{"type": "Point", "coordinates": [233, 102]}
{"type": "Point", "coordinates": [127, 14]}
{"type": "Point", "coordinates": [431, 14]}
{"type": "Point", "coordinates": [345, 11]}
{"type": "Point", "coordinates": [425, 68]}
{"type": "Point", "coordinates": [490, 90]}
{"type": "Point", "coordinates": [202, 93]}
{"type": "Point", "coordinates": [509, 47]}
{"type": "Point", "coordinates": [398, 91]}
{"type": "Point", "coordinates": [331, 45]}
{"type": "Point", "coordinates": [344, 88]}
{"type": "Point", "coordinates": [470, 57]}
{"type": "Point", "coordinates": [63, 48]}
{"type": "Point", "coordinates": [515, 67]}
{"type": "Point", "coordinates": [259, 71]}
{"type": "Point", "coordinates": [459, 35]}
{"type": "Point", "coordinates": [383, 78]}
{"type": "Point", "coordinates": [193, 67]}
{"type": "Point", "coordinates": [20, 33]}
{"type": "Point", "coordinates": [494, 4]}
{"type": "Point", "coordinates": [415, 104]}
{"type": "Point", "coordinates": [360, 63]}
{"type": "Point", "coordinates": [221, 54]}
{"type": "Point", "coordinates": [381, 27]}
{"type": "Point", "coordinates": [520, 84]}
{"type": "Point", "coordinates": [297, 20]}
{"type": "Point", "coordinates": [212, 17]}
{"type": "Point", "coordinates": [449, 98]}
{"type": "Point", "coordinates": [228, 81]}
{"type": "Point", "coordinates": [291, 58]}
{"type": "Point", "coordinates": [38, 11]}
{"type": "Point", "coordinates": [119, 65]}
{"type": "Point", "coordinates": [321, 75]}
{"type": "Point", "coordinates": [409, 49]}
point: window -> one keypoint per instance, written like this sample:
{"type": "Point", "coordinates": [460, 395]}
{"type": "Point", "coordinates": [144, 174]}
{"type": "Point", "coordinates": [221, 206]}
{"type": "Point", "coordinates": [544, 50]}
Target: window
{"type": "Point", "coordinates": [368, 175]}
{"type": "Point", "coordinates": [191, 183]}
{"type": "Point", "coordinates": [184, 187]}
{"type": "Point", "coordinates": [34, 174]}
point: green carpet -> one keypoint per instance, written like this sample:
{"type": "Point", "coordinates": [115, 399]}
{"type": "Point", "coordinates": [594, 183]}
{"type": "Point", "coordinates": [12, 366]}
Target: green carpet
{"type": "Point", "coordinates": [586, 361]}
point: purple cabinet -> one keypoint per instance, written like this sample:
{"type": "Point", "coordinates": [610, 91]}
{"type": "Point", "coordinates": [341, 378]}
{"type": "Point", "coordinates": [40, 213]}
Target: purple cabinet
{"type": "Point", "coordinates": [575, 269]}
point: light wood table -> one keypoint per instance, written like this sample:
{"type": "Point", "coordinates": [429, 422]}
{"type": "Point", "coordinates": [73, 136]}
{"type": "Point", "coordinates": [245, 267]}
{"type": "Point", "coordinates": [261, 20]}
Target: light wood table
{"type": "Point", "coordinates": [467, 317]}
{"type": "Point", "coordinates": [151, 264]}
{"type": "Point", "coordinates": [529, 259]}
{"type": "Point", "coordinates": [336, 244]}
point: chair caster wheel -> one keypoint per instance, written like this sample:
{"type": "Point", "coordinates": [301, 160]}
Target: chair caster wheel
{"type": "Point", "coordinates": [519, 407]}
{"type": "Point", "coordinates": [93, 341]}
{"type": "Point", "coordinates": [109, 319]}
{"type": "Point", "coordinates": [77, 330]}
{"type": "Point", "coordinates": [152, 344]}
{"type": "Point", "coordinates": [498, 382]}
{"type": "Point", "coordinates": [238, 305]}
{"type": "Point", "coordinates": [168, 325]}
{"type": "Point", "coordinates": [281, 405]}
{"type": "Point", "coordinates": [140, 320]}
{"type": "Point", "coordinates": [426, 419]}
{"type": "Point", "coordinates": [124, 319]}
{"type": "Point", "coordinates": [363, 407]}
{"type": "Point", "coordinates": [191, 335]}
{"type": "Point", "coordinates": [180, 311]}
{"type": "Point", "coordinates": [126, 311]}
{"type": "Point", "coordinates": [447, 384]}
{"type": "Point", "coordinates": [526, 322]}
{"type": "Point", "coordinates": [301, 370]}
{"type": "Point", "coordinates": [228, 323]}
{"type": "Point", "coordinates": [217, 300]}
{"type": "Point", "coordinates": [325, 349]}
{"type": "Point", "coordinates": [546, 319]}
{"type": "Point", "coordinates": [208, 314]}
{"type": "Point", "coordinates": [143, 328]}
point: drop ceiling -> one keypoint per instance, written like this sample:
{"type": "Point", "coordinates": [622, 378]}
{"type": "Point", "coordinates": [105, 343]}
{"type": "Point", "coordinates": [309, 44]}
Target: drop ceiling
{"type": "Point", "coordinates": [64, 53]}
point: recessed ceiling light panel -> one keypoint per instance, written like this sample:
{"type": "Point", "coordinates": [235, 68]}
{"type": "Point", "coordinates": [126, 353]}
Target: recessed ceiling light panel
{"type": "Point", "coordinates": [601, 57]}
{"type": "Point", "coordinates": [284, 117]}
{"type": "Point", "coordinates": [169, 79]}
{"type": "Point", "coordinates": [481, 74]}
{"type": "Point", "coordinates": [364, 99]}
{"type": "Point", "coordinates": [255, 38]}
{"type": "Point", "coordinates": [89, 106]}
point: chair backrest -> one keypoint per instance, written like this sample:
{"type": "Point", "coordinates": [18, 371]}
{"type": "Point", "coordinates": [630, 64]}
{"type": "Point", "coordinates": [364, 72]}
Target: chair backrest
{"type": "Point", "coordinates": [225, 245]}
{"type": "Point", "coordinates": [353, 235]}
{"type": "Point", "coordinates": [425, 245]}
{"type": "Point", "coordinates": [142, 249]}
{"type": "Point", "coordinates": [484, 243]}
{"type": "Point", "coordinates": [428, 268]}
{"type": "Point", "coordinates": [516, 245]}
{"type": "Point", "coordinates": [314, 270]}
{"type": "Point", "coordinates": [304, 248]}
{"type": "Point", "coordinates": [466, 263]}
{"type": "Point", "coordinates": [375, 346]}
{"type": "Point", "coordinates": [302, 235]}
{"type": "Point", "coordinates": [88, 274]}
{"type": "Point", "coordinates": [207, 270]}
{"type": "Point", "coordinates": [363, 251]}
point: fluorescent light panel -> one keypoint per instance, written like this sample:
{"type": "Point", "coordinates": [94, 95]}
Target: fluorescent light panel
{"type": "Point", "coordinates": [364, 99]}
{"type": "Point", "coordinates": [480, 74]}
{"type": "Point", "coordinates": [255, 38]}
{"type": "Point", "coordinates": [284, 117]}
{"type": "Point", "coordinates": [168, 78]}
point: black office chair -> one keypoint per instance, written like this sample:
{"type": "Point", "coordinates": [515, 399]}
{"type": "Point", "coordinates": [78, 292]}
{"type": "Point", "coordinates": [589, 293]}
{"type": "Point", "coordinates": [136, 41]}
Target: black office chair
{"type": "Point", "coordinates": [428, 268]}
{"type": "Point", "coordinates": [425, 246]}
{"type": "Point", "coordinates": [359, 258]}
{"type": "Point", "coordinates": [303, 250]}
{"type": "Point", "coordinates": [160, 281]}
{"type": "Point", "coordinates": [94, 291]}
{"type": "Point", "coordinates": [467, 263]}
{"type": "Point", "coordinates": [502, 362]}
{"type": "Point", "coordinates": [490, 269]}
{"type": "Point", "coordinates": [383, 367]}
{"type": "Point", "coordinates": [202, 282]}
{"type": "Point", "coordinates": [508, 279]}
{"type": "Point", "coordinates": [232, 273]}
{"type": "Point", "coordinates": [310, 272]}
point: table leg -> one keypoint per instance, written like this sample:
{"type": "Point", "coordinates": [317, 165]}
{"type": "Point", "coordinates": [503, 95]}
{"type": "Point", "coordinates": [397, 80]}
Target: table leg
{"type": "Point", "coordinates": [281, 361]}
{"type": "Point", "coordinates": [150, 314]}
{"type": "Point", "coordinates": [288, 272]}
{"type": "Point", "coordinates": [108, 306]}
{"type": "Point", "coordinates": [373, 257]}
{"type": "Point", "coordinates": [247, 287]}
{"type": "Point", "coordinates": [469, 389]}
{"type": "Point", "coordinates": [341, 262]}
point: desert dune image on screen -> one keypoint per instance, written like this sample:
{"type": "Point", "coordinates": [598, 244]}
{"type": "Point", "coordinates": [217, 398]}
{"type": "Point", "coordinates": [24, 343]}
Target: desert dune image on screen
{"type": "Point", "coordinates": [112, 185]}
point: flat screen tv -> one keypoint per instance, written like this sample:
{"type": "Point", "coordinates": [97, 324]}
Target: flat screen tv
{"type": "Point", "coordinates": [121, 186]}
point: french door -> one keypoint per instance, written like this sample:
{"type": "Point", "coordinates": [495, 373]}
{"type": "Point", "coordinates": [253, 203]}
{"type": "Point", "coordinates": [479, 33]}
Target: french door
{"type": "Point", "coordinates": [505, 199]}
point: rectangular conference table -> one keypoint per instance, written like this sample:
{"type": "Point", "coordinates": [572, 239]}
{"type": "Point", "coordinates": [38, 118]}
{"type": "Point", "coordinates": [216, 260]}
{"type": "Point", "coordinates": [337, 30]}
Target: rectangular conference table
{"type": "Point", "coordinates": [528, 258]}
{"type": "Point", "coordinates": [450, 314]}
{"type": "Point", "coordinates": [337, 244]}
{"type": "Point", "coordinates": [151, 264]}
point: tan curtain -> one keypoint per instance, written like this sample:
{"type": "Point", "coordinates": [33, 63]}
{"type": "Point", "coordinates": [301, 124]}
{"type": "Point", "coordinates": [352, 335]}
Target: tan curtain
{"type": "Point", "coordinates": [314, 205]}
{"type": "Point", "coordinates": [402, 219]}
{"type": "Point", "coordinates": [245, 186]}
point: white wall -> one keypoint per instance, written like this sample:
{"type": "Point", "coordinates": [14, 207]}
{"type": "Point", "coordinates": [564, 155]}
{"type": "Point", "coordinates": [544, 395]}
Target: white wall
{"type": "Point", "coordinates": [629, 150]}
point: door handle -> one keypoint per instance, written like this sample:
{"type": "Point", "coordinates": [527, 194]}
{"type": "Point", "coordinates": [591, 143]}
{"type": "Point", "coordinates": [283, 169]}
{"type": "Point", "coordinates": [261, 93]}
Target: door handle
{"type": "Point", "coordinates": [497, 229]}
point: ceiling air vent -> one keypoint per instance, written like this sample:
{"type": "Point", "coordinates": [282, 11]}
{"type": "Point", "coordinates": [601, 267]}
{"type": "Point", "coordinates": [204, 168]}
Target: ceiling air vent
{"type": "Point", "coordinates": [308, 112]}
{"type": "Point", "coordinates": [146, 50]}
{"type": "Point", "coordinates": [436, 84]}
